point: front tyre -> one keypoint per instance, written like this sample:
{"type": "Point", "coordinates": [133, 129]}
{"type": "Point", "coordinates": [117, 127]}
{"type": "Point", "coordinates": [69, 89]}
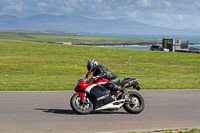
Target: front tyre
{"type": "Point", "coordinates": [80, 107]}
{"type": "Point", "coordinates": [135, 104]}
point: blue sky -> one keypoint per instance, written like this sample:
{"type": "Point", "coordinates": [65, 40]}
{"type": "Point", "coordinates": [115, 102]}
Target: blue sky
{"type": "Point", "coordinates": [175, 14]}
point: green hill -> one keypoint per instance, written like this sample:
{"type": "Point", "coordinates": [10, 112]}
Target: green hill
{"type": "Point", "coordinates": [44, 66]}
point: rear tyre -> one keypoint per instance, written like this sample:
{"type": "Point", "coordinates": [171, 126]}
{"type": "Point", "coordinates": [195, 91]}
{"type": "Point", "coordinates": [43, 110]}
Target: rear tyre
{"type": "Point", "coordinates": [80, 107]}
{"type": "Point", "coordinates": [136, 103]}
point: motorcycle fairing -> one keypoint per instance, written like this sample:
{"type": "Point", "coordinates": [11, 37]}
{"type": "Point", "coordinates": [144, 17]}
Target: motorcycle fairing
{"type": "Point", "coordinates": [101, 95]}
{"type": "Point", "coordinates": [102, 81]}
{"type": "Point", "coordinates": [88, 89]}
{"type": "Point", "coordinates": [84, 87]}
{"type": "Point", "coordinates": [113, 105]}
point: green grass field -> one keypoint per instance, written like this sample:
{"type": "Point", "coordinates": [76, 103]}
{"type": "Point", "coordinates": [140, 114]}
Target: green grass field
{"type": "Point", "coordinates": [65, 38]}
{"type": "Point", "coordinates": [44, 66]}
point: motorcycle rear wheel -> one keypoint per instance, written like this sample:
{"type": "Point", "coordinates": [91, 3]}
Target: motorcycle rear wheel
{"type": "Point", "coordinates": [80, 107]}
{"type": "Point", "coordinates": [136, 104]}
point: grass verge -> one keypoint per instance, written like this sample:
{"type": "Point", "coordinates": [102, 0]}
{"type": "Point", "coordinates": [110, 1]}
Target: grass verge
{"type": "Point", "coordinates": [173, 131]}
{"type": "Point", "coordinates": [44, 66]}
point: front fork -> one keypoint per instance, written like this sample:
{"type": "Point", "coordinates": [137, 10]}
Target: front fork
{"type": "Point", "coordinates": [82, 96]}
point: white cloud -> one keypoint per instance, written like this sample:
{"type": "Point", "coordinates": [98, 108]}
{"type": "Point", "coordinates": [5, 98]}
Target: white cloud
{"type": "Point", "coordinates": [168, 4]}
{"type": "Point", "coordinates": [112, 17]}
{"type": "Point", "coordinates": [144, 3]}
{"type": "Point", "coordinates": [161, 16]}
{"type": "Point", "coordinates": [107, 12]}
{"type": "Point", "coordinates": [67, 7]}
{"type": "Point", "coordinates": [41, 4]}
{"type": "Point", "coordinates": [75, 3]}
{"type": "Point", "coordinates": [99, 1]}
{"type": "Point", "coordinates": [198, 22]}
{"type": "Point", "coordinates": [15, 7]}
{"type": "Point", "coordinates": [132, 14]}
{"type": "Point", "coordinates": [179, 17]}
{"type": "Point", "coordinates": [187, 6]}
{"type": "Point", "coordinates": [197, 2]}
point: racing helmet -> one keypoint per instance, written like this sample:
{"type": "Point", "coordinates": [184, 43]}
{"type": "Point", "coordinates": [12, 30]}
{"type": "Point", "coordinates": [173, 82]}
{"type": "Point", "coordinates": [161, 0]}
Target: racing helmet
{"type": "Point", "coordinates": [91, 64]}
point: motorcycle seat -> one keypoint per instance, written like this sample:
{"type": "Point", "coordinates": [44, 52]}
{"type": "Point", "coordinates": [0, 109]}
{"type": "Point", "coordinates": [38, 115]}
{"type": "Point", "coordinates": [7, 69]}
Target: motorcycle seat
{"type": "Point", "coordinates": [128, 82]}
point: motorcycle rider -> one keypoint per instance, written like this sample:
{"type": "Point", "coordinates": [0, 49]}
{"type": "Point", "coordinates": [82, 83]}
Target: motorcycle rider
{"type": "Point", "coordinates": [100, 71]}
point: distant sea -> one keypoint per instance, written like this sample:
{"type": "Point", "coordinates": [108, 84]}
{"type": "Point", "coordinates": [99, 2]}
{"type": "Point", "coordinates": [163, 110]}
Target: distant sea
{"type": "Point", "coordinates": [191, 38]}
{"type": "Point", "coordinates": [147, 47]}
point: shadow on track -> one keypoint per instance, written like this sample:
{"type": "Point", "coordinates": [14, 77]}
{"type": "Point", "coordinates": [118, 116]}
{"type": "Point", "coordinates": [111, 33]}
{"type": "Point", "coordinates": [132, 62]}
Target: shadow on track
{"type": "Point", "coordinates": [71, 112]}
{"type": "Point", "coordinates": [57, 111]}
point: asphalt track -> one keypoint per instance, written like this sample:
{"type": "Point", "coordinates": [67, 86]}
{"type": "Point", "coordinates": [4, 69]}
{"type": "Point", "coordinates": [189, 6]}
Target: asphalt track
{"type": "Point", "coordinates": [50, 112]}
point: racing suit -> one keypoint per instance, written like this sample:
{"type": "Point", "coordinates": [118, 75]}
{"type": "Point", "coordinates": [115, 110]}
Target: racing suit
{"type": "Point", "coordinates": [114, 81]}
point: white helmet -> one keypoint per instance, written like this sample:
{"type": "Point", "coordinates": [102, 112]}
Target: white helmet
{"type": "Point", "coordinates": [91, 64]}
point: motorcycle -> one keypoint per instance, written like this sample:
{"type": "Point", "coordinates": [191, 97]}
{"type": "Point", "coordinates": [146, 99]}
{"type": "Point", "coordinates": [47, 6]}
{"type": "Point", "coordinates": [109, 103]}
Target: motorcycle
{"type": "Point", "coordinates": [91, 95]}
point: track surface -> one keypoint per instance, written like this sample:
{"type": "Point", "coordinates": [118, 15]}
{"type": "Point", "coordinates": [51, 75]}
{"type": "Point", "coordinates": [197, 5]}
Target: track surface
{"type": "Point", "coordinates": [24, 112]}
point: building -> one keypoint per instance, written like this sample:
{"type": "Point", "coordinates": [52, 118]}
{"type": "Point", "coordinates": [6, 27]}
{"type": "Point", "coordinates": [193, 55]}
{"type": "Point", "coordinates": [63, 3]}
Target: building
{"type": "Point", "coordinates": [175, 45]}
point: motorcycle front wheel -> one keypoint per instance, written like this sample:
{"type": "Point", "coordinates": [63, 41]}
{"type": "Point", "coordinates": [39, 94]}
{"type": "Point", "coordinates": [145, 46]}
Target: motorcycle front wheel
{"type": "Point", "coordinates": [80, 107]}
{"type": "Point", "coordinates": [135, 104]}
